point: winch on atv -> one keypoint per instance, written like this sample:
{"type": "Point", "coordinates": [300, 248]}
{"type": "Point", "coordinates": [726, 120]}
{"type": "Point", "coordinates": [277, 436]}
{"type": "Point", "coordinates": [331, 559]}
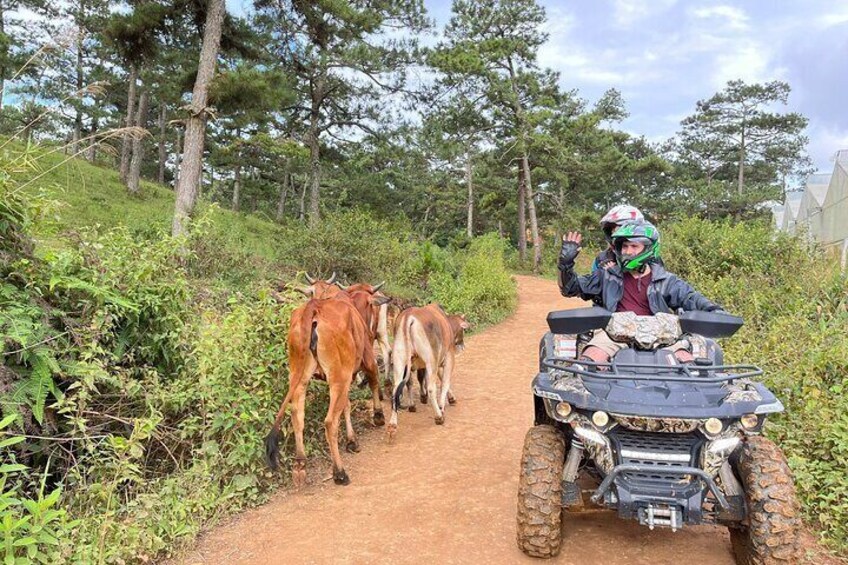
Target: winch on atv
{"type": "Point", "coordinates": [663, 443]}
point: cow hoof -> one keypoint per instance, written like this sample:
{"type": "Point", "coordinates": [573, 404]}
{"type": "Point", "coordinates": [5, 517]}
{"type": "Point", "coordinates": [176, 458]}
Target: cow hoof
{"type": "Point", "coordinates": [451, 400]}
{"type": "Point", "coordinates": [413, 408]}
{"type": "Point", "coordinates": [352, 446]}
{"type": "Point", "coordinates": [340, 477]}
{"type": "Point", "coordinates": [424, 399]}
{"type": "Point", "coordinates": [440, 420]}
{"type": "Point", "coordinates": [379, 419]}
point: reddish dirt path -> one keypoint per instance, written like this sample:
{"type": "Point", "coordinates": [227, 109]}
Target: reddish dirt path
{"type": "Point", "coordinates": [447, 494]}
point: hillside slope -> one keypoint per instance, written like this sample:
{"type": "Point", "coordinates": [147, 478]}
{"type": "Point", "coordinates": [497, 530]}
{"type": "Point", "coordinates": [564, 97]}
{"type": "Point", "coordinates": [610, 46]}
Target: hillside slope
{"type": "Point", "coordinates": [85, 195]}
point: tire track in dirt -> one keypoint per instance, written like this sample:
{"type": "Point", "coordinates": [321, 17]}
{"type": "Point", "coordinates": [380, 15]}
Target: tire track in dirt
{"type": "Point", "coordinates": [447, 494]}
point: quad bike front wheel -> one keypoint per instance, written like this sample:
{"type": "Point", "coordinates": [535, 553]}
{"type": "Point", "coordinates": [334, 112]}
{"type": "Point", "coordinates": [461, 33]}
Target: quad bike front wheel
{"type": "Point", "coordinates": [539, 492]}
{"type": "Point", "coordinates": [770, 536]}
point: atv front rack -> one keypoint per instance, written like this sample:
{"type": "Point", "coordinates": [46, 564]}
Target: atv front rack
{"type": "Point", "coordinates": [676, 373]}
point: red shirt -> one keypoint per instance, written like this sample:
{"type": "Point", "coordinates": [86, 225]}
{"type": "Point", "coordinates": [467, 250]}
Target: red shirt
{"type": "Point", "coordinates": [635, 297]}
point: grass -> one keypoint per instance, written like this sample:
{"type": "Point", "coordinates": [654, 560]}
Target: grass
{"type": "Point", "coordinates": [87, 195]}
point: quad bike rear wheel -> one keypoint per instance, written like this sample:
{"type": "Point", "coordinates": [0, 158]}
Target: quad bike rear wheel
{"type": "Point", "coordinates": [539, 492]}
{"type": "Point", "coordinates": [771, 535]}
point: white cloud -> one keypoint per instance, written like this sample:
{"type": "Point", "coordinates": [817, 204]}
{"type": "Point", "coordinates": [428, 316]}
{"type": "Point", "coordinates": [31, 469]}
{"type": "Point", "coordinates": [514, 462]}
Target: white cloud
{"type": "Point", "coordinates": [833, 18]}
{"type": "Point", "coordinates": [748, 60]}
{"type": "Point", "coordinates": [735, 18]}
{"type": "Point", "coordinates": [824, 143]}
{"type": "Point", "coordinates": [629, 12]}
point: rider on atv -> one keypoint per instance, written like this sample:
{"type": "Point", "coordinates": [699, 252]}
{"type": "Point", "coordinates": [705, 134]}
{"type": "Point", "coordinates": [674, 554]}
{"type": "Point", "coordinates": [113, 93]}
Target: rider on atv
{"type": "Point", "coordinates": [638, 283]}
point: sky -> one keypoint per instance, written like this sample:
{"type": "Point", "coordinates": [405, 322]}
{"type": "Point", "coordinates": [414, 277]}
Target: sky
{"type": "Point", "coordinates": [665, 55]}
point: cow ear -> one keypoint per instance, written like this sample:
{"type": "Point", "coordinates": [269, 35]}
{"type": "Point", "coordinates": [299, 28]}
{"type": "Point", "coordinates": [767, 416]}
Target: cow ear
{"type": "Point", "coordinates": [465, 324]}
{"type": "Point", "coordinates": [380, 299]}
{"type": "Point", "coordinates": [306, 291]}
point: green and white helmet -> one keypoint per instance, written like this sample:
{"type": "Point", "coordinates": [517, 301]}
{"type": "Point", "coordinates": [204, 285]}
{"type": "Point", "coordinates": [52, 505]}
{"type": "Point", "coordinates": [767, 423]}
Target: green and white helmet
{"type": "Point", "coordinates": [640, 232]}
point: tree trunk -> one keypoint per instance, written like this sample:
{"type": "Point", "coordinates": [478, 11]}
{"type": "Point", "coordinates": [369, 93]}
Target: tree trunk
{"type": "Point", "coordinates": [92, 143]}
{"type": "Point", "coordinates": [303, 200]}
{"type": "Point", "coordinates": [163, 155]}
{"type": "Point", "coordinates": [127, 141]}
{"type": "Point", "coordinates": [237, 187]}
{"type": "Point", "coordinates": [196, 123]}
{"type": "Point", "coordinates": [134, 176]}
{"type": "Point", "coordinates": [281, 203]}
{"type": "Point", "coordinates": [314, 171]}
{"type": "Point", "coordinates": [469, 228]}
{"type": "Point", "coordinates": [79, 82]}
{"type": "Point", "coordinates": [178, 153]}
{"type": "Point", "coordinates": [741, 186]}
{"type": "Point", "coordinates": [317, 96]}
{"type": "Point", "coordinates": [531, 208]}
{"type": "Point", "coordinates": [522, 219]}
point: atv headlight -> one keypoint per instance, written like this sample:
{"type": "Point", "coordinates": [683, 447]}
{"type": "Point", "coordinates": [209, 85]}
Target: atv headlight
{"type": "Point", "coordinates": [713, 426]}
{"type": "Point", "coordinates": [563, 410]}
{"type": "Point", "coordinates": [749, 421]}
{"type": "Point", "coordinates": [600, 418]}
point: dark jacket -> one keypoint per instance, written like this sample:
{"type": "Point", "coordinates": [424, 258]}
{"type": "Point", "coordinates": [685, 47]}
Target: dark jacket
{"type": "Point", "coordinates": [605, 287]}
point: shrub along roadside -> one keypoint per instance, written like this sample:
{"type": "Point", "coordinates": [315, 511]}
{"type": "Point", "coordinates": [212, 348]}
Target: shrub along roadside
{"type": "Point", "coordinates": [795, 304]}
{"type": "Point", "coordinates": [144, 372]}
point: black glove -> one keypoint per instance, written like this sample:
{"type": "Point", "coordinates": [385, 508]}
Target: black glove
{"type": "Point", "coordinates": [569, 252]}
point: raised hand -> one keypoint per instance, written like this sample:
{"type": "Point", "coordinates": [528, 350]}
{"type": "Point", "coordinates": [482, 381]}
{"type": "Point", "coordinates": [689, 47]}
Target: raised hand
{"type": "Point", "coordinates": [570, 249]}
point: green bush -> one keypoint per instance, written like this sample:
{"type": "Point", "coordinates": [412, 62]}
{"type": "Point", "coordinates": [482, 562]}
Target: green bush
{"type": "Point", "coordinates": [352, 243]}
{"type": "Point", "coordinates": [794, 303]}
{"type": "Point", "coordinates": [481, 288]}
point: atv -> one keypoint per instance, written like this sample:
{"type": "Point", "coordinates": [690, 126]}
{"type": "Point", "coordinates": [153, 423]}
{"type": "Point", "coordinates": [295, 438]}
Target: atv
{"type": "Point", "coordinates": [664, 443]}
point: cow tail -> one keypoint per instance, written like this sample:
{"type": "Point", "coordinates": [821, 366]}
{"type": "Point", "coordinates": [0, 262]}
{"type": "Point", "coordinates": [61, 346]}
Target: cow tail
{"type": "Point", "coordinates": [403, 333]}
{"type": "Point", "coordinates": [272, 440]}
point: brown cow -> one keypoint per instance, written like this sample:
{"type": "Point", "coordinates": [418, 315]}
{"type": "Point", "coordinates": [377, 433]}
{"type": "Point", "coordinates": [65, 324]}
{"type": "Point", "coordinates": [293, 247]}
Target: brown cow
{"type": "Point", "coordinates": [327, 338]}
{"type": "Point", "coordinates": [368, 301]}
{"type": "Point", "coordinates": [425, 338]}
{"type": "Point", "coordinates": [376, 317]}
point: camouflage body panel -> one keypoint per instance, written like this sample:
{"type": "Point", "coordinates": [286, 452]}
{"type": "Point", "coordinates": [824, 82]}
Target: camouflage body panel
{"type": "Point", "coordinates": [664, 425]}
{"type": "Point", "coordinates": [571, 383]}
{"type": "Point", "coordinates": [647, 332]}
{"type": "Point", "coordinates": [741, 390]}
{"type": "Point", "coordinates": [697, 345]}
{"type": "Point", "coordinates": [711, 462]}
{"type": "Point", "coordinates": [600, 454]}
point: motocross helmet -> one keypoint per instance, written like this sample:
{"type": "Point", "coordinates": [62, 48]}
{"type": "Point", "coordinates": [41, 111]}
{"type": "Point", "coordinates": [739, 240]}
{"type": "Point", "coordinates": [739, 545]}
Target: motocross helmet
{"type": "Point", "coordinates": [618, 216]}
{"type": "Point", "coordinates": [641, 232]}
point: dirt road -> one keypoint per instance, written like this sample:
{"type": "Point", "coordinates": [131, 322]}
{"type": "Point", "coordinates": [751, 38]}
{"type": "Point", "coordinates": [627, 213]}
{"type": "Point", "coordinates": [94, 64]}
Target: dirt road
{"type": "Point", "coordinates": [447, 494]}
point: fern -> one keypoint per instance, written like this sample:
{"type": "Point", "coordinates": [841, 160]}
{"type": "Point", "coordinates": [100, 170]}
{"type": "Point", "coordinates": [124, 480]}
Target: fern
{"type": "Point", "coordinates": [34, 389]}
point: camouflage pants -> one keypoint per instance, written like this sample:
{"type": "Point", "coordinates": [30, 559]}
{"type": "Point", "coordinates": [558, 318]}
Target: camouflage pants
{"type": "Point", "coordinates": [605, 343]}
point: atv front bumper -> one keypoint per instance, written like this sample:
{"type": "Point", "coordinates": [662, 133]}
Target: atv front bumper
{"type": "Point", "coordinates": [638, 496]}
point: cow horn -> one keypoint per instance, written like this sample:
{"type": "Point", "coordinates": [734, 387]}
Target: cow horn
{"type": "Point", "coordinates": [304, 290]}
{"type": "Point", "coordinates": [332, 279]}
{"type": "Point", "coordinates": [310, 279]}
{"type": "Point", "coordinates": [379, 286]}
{"type": "Point", "coordinates": [343, 286]}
